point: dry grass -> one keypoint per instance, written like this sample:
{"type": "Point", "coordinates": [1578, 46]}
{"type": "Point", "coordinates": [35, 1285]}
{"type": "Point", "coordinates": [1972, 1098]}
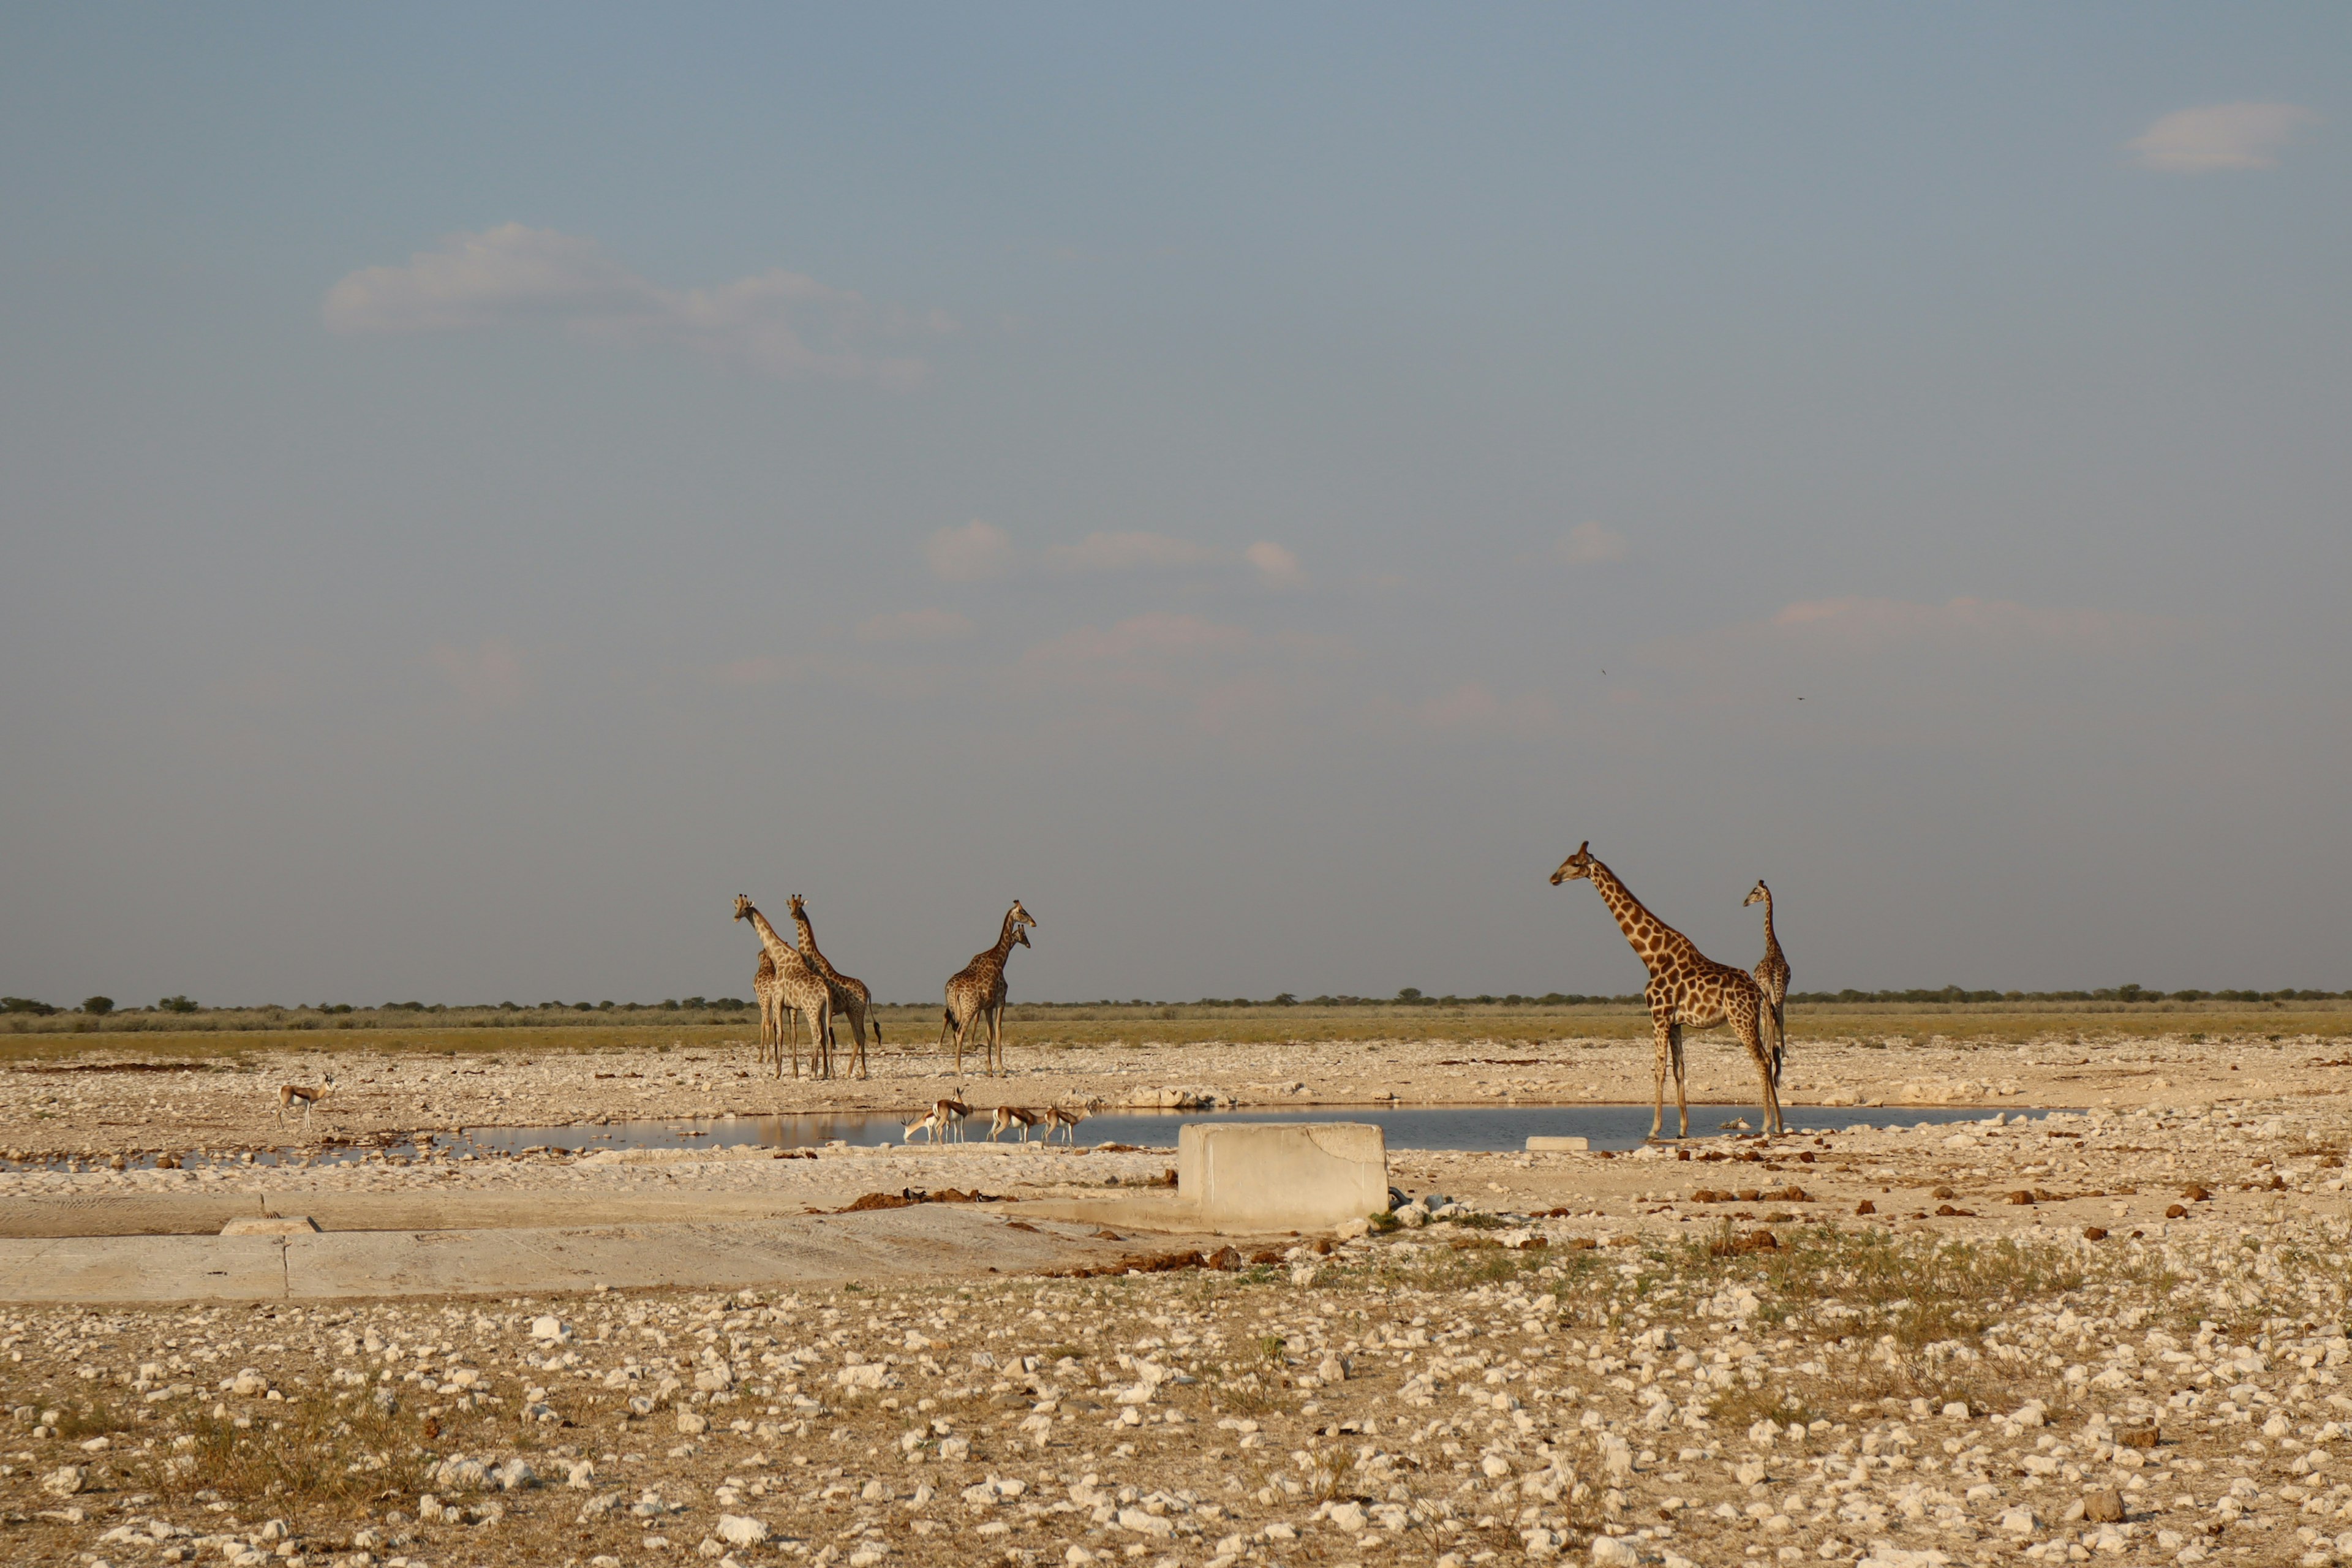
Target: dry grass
{"type": "Point", "coordinates": [1920, 1290]}
{"type": "Point", "coordinates": [310, 1452]}
{"type": "Point", "coordinates": [1554, 1028]}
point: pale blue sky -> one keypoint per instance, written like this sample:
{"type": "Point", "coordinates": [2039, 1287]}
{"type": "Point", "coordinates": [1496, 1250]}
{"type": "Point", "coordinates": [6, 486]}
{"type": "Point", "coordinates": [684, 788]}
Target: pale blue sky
{"type": "Point", "coordinates": [477, 494]}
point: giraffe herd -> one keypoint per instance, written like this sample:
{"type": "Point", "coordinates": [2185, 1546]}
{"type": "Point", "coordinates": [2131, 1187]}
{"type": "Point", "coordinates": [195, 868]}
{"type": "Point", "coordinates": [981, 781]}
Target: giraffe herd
{"type": "Point", "coordinates": [1686, 990]}
{"type": "Point", "coordinates": [797, 982]}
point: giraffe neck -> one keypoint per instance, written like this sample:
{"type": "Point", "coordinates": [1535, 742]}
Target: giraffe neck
{"type": "Point", "coordinates": [772, 940]}
{"type": "Point", "coordinates": [1653, 940]}
{"type": "Point", "coordinates": [816, 960]}
{"type": "Point", "coordinates": [1003, 948]}
{"type": "Point", "coordinates": [1771, 943]}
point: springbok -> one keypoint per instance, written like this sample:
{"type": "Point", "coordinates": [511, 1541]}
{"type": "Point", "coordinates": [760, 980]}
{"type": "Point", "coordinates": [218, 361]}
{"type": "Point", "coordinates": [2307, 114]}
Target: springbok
{"type": "Point", "coordinates": [287, 1093]}
{"type": "Point", "coordinates": [1013, 1116]}
{"type": "Point", "coordinates": [1068, 1120]}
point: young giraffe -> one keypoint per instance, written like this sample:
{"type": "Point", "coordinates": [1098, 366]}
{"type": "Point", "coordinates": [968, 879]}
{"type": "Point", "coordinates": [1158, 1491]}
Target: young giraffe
{"type": "Point", "coordinates": [850, 996]}
{"type": "Point", "coordinates": [1772, 978]}
{"type": "Point", "coordinates": [1686, 987]}
{"type": "Point", "coordinates": [978, 991]}
{"type": "Point", "coordinates": [797, 985]}
{"type": "Point", "coordinates": [773, 1012]}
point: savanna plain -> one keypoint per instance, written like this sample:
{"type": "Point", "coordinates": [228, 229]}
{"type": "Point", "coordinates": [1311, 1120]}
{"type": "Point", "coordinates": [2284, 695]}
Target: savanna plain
{"type": "Point", "coordinates": [2099, 1317]}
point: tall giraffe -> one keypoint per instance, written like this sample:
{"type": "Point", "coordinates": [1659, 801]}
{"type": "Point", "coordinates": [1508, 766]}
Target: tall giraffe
{"type": "Point", "coordinates": [779, 1019]}
{"type": "Point", "coordinates": [798, 985]}
{"type": "Point", "coordinates": [850, 996]}
{"type": "Point", "coordinates": [1686, 987]}
{"type": "Point", "coordinates": [977, 991]}
{"type": "Point", "coordinates": [1772, 977]}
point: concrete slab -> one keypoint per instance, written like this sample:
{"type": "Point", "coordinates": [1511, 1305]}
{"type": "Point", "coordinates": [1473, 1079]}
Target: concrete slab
{"type": "Point", "coordinates": [144, 1268]}
{"type": "Point", "coordinates": [926, 1241]}
{"type": "Point", "coordinates": [1558, 1145]}
{"type": "Point", "coordinates": [1282, 1176]}
{"type": "Point", "coordinates": [269, 1225]}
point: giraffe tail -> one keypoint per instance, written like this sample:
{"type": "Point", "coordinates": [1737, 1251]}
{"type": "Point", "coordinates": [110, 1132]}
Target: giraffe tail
{"type": "Point", "coordinates": [877, 1030]}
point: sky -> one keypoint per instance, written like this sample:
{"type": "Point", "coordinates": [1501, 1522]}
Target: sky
{"type": "Point", "coordinates": [482, 486]}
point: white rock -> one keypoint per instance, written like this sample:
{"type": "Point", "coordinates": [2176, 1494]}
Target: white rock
{"type": "Point", "coordinates": [63, 1482]}
{"type": "Point", "coordinates": [1608, 1551]}
{"type": "Point", "coordinates": [2018, 1521]}
{"type": "Point", "coordinates": [693, 1423]}
{"type": "Point", "coordinates": [1153, 1524]}
{"type": "Point", "coordinates": [550, 1330]}
{"type": "Point", "coordinates": [740, 1530]}
{"type": "Point", "coordinates": [866, 1375]}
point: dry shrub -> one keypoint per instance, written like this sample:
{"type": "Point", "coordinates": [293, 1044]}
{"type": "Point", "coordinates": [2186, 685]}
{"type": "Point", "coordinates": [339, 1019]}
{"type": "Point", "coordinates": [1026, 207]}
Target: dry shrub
{"type": "Point", "coordinates": [308, 1450]}
{"type": "Point", "coordinates": [1737, 1408]}
{"type": "Point", "coordinates": [1919, 1290]}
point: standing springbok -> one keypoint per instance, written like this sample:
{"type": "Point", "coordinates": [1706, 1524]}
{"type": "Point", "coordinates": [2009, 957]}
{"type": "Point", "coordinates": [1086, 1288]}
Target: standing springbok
{"type": "Point", "coordinates": [287, 1093]}
{"type": "Point", "coordinates": [1067, 1119]}
{"type": "Point", "coordinates": [951, 1114]}
{"type": "Point", "coordinates": [1013, 1116]}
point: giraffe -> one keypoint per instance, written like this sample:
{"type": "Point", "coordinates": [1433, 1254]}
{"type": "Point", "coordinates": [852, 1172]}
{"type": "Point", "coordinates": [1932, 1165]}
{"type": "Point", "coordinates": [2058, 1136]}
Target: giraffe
{"type": "Point", "coordinates": [1686, 987]}
{"type": "Point", "coordinates": [850, 996]}
{"type": "Point", "coordinates": [770, 991]}
{"type": "Point", "coordinates": [798, 986]}
{"type": "Point", "coordinates": [1772, 977]}
{"type": "Point", "coordinates": [976, 992]}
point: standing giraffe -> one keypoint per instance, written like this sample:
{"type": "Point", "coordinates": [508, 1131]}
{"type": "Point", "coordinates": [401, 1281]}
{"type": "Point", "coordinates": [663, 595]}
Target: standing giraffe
{"type": "Point", "coordinates": [1686, 987]}
{"type": "Point", "coordinates": [1772, 978]}
{"type": "Point", "coordinates": [779, 1019]}
{"type": "Point", "coordinates": [978, 991]}
{"type": "Point", "coordinates": [765, 986]}
{"type": "Point", "coordinates": [798, 986]}
{"type": "Point", "coordinates": [850, 996]}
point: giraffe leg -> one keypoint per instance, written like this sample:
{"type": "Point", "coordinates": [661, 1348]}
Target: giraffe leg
{"type": "Point", "coordinates": [1682, 1100]}
{"type": "Point", "coordinates": [1663, 1031]}
{"type": "Point", "coordinates": [1751, 1034]}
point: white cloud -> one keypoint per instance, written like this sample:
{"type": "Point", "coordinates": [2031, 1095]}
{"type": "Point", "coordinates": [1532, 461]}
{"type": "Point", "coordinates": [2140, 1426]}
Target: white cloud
{"type": "Point", "coordinates": [1590, 544]}
{"type": "Point", "coordinates": [1127, 553]}
{"type": "Point", "coordinates": [972, 553]}
{"type": "Point", "coordinates": [1276, 566]}
{"type": "Point", "coordinates": [778, 322]}
{"type": "Point", "coordinates": [486, 678]}
{"type": "Point", "coordinates": [2220, 136]}
{"type": "Point", "coordinates": [914, 626]}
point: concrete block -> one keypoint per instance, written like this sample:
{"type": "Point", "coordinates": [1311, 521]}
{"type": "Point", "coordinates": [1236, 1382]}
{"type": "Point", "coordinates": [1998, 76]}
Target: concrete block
{"type": "Point", "coordinates": [1282, 1176]}
{"type": "Point", "coordinates": [269, 1225]}
{"type": "Point", "coordinates": [1558, 1145]}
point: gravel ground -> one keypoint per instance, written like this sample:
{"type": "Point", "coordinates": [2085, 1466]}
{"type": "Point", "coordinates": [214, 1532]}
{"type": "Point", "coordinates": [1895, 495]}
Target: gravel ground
{"type": "Point", "coordinates": [1649, 1358]}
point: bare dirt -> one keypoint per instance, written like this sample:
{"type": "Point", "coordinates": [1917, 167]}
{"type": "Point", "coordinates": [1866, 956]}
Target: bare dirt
{"type": "Point", "coordinates": [2115, 1334]}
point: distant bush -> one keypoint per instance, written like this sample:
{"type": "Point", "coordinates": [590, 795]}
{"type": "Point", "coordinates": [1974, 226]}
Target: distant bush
{"type": "Point", "coordinates": [97, 1007]}
{"type": "Point", "coordinates": [25, 1004]}
{"type": "Point", "coordinates": [175, 1005]}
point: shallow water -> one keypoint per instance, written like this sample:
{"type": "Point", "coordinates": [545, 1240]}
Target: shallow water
{"type": "Point", "coordinates": [1478, 1127]}
{"type": "Point", "coordinates": [1485, 1128]}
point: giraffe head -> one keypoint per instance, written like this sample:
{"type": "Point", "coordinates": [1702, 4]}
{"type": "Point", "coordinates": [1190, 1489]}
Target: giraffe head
{"type": "Point", "coordinates": [1758, 894]}
{"type": "Point", "coordinates": [742, 906]}
{"type": "Point", "coordinates": [1580, 864]}
{"type": "Point", "coordinates": [1020, 918]}
{"type": "Point", "coordinates": [799, 912]}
